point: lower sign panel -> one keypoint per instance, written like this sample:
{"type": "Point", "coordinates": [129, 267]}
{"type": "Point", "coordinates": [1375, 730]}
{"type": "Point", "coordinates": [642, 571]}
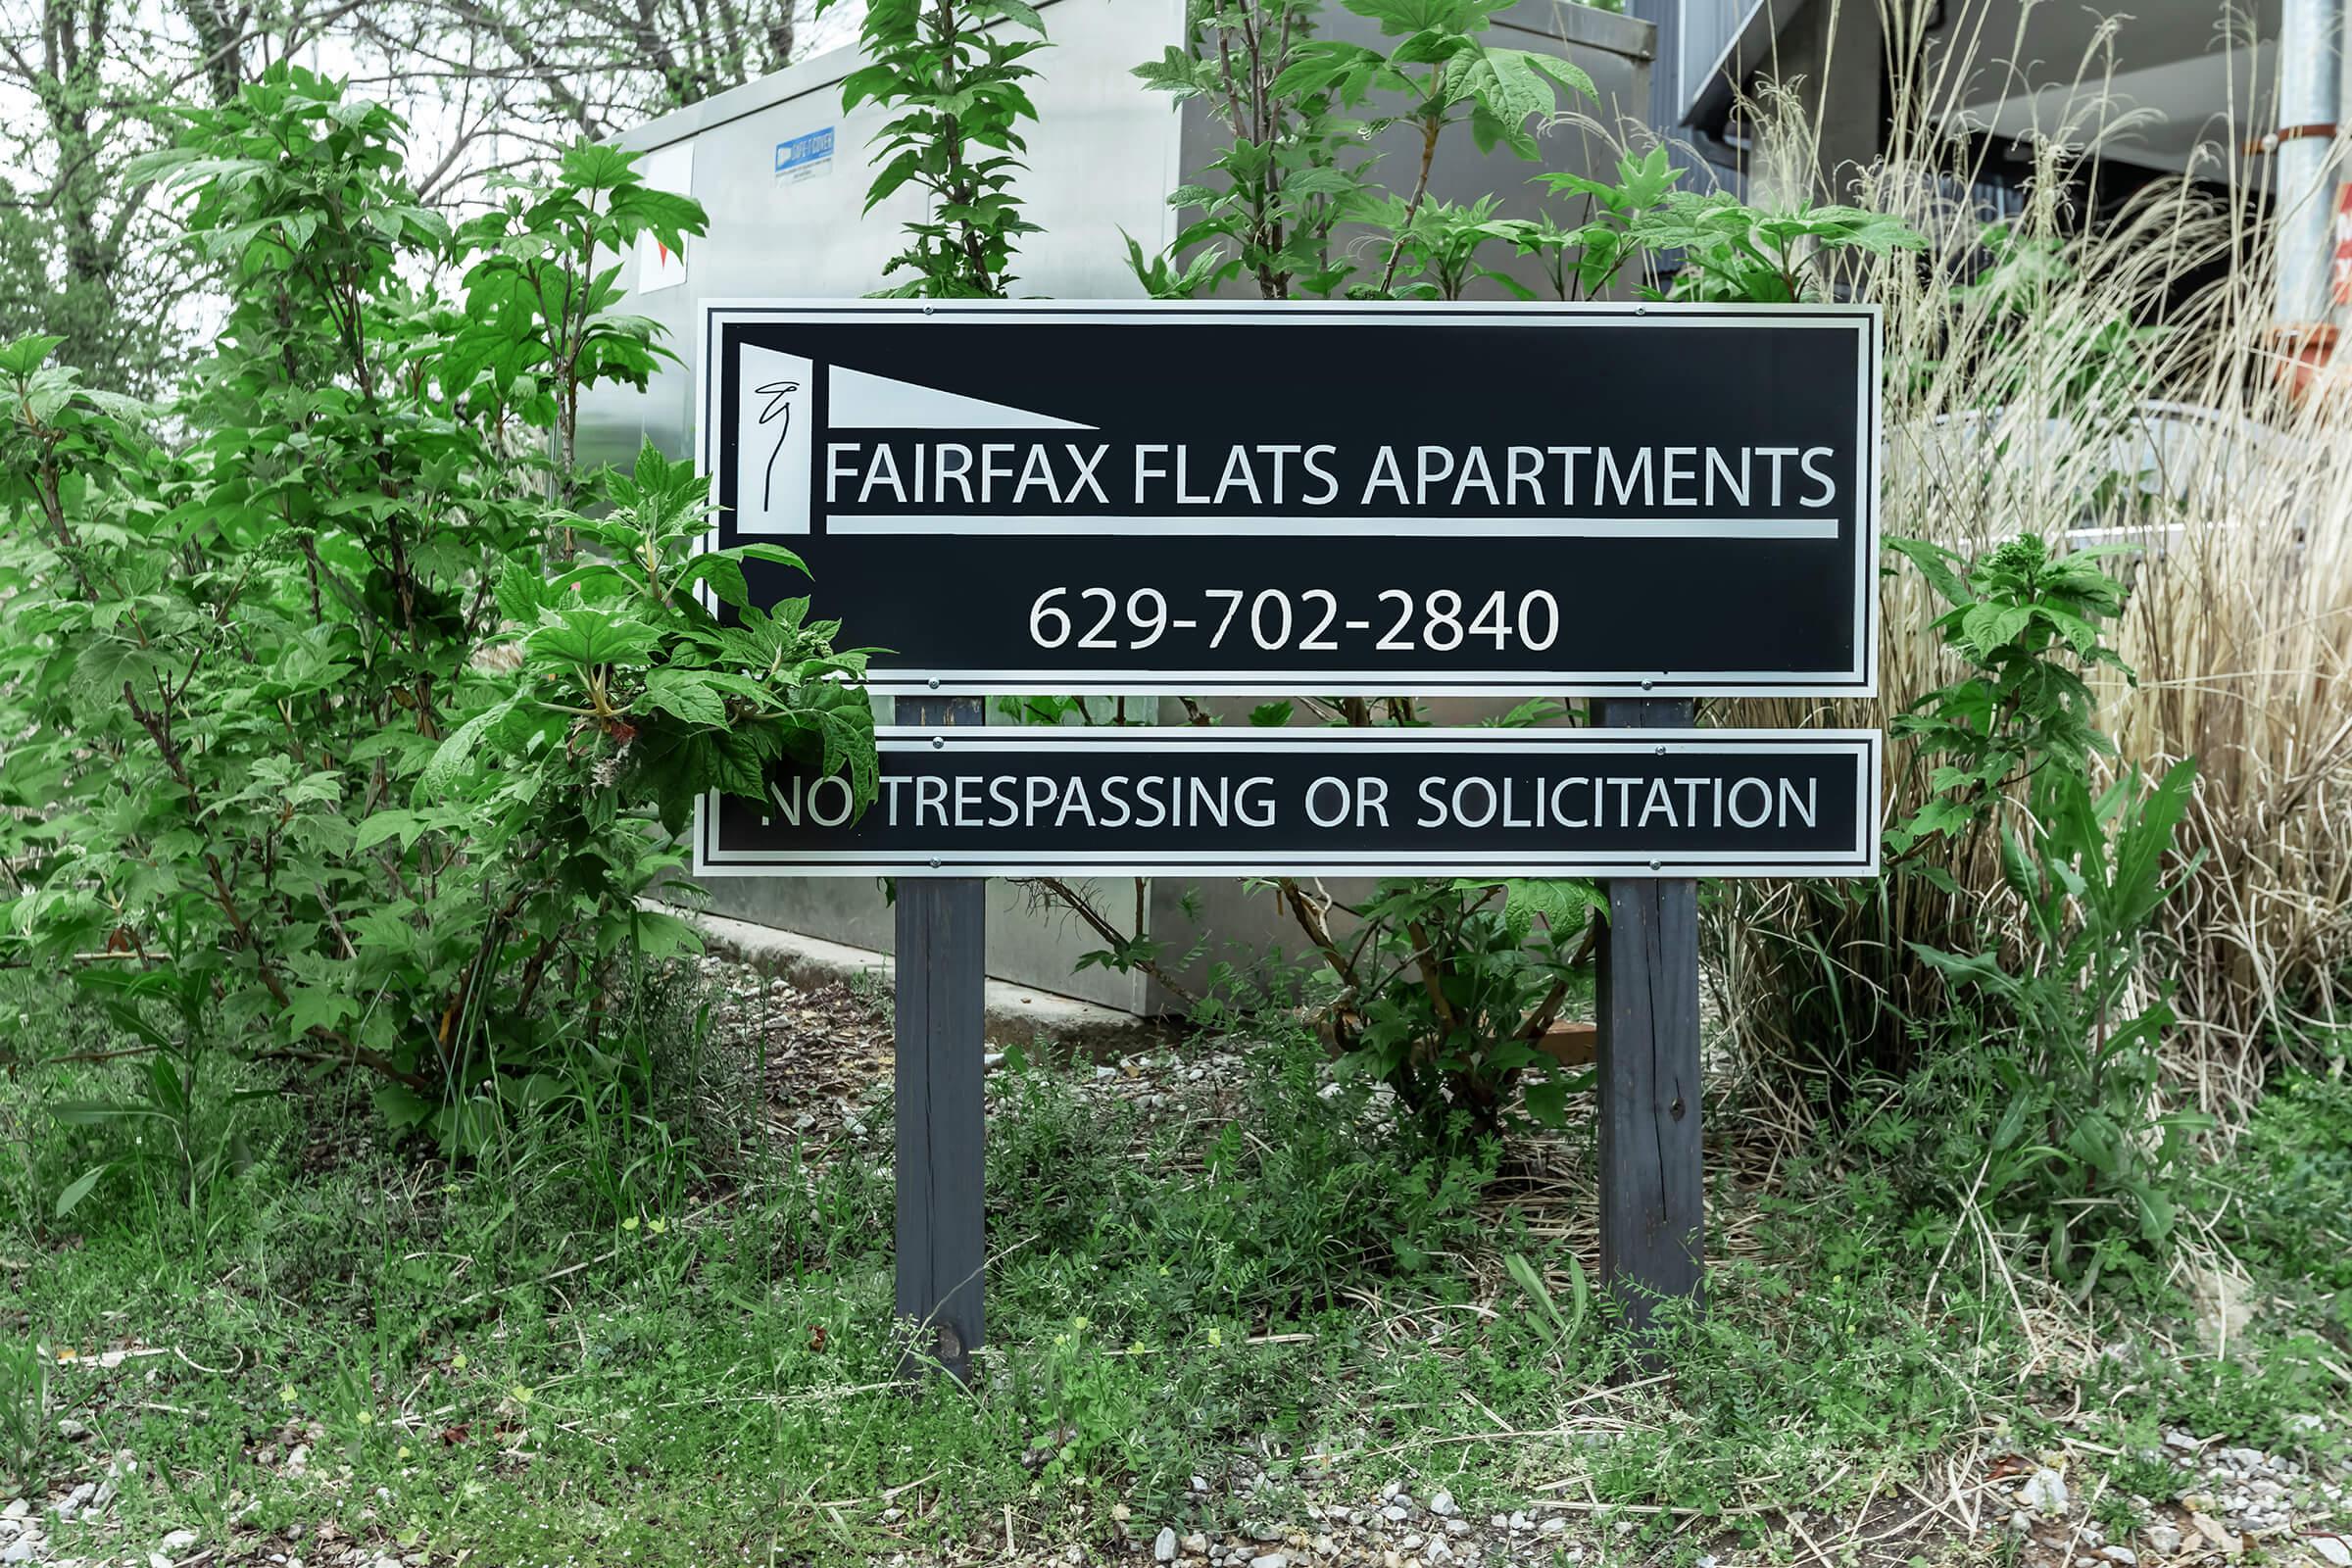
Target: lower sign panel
{"type": "Point", "coordinates": [1035, 801]}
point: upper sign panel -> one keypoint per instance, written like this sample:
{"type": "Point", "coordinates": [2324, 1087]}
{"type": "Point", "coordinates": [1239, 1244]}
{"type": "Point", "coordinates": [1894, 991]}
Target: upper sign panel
{"type": "Point", "coordinates": [1344, 499]}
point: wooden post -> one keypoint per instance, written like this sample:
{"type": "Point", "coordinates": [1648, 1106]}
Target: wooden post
{"type": "Point", "coordinates": [942, 977]}
{"type": "Point", "coordinates": [1652, 1211]}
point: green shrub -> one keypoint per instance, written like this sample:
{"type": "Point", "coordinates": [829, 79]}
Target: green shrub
{"type": "Point", "coordinates": [327, 740]}
{"type": "Point", "coordinates": [1445, 988]}
{"type": "Point", "coordinates": [2022, 1072]}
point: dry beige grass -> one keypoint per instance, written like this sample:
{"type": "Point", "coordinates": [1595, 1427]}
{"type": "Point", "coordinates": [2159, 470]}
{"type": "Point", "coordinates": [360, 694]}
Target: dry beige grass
{"type": "Point", "coordinates": [2013, 411]}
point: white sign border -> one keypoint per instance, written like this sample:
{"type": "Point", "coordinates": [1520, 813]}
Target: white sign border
{"type": "Point", "coordinates": [1867, 746]}
{"type": "Point", "coordinates": [1860, 679]}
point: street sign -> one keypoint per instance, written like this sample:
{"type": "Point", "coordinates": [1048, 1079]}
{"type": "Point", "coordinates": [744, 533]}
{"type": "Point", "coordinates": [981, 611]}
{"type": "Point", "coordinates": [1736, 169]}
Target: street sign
{"type": "Point", "coordinates": [1145, 801]}
{"type": "Point", "coordinates": [1377, 499]}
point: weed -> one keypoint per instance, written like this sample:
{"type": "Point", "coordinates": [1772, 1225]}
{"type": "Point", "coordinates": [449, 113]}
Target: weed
{"type": "Point", "coordinates": [359, 822]}
{"type": "Point", "coordinates": [25, 1413]}
{"type": "Point", "coordinates": [2266, 1392]}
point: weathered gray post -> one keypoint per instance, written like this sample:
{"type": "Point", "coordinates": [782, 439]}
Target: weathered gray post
{"type": "Point", "coordinates": [1653, 1213]}
{"type": "Point", "coordinates": [941, 1116]}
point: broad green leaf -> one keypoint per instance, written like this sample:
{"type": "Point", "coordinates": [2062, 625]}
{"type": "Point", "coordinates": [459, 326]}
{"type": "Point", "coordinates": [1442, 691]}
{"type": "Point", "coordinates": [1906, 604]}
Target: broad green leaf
{"type": "Point", "coordinates": [382, 825]}
{"type": "Point", "coordinates": [664, 936]}
{"type": "Point", "coordinates": [402, 1107]}
{"type": "Point", "coordinates": [455, 757]}
{"type": "Point", "coordinates": [687, 695]}
{"type": "Point", "coordinates": [592, 637]}
{"type": "Point", "coordinates": [318, 1007]}
{"type": "Point", "coordinates": [79, 1187]}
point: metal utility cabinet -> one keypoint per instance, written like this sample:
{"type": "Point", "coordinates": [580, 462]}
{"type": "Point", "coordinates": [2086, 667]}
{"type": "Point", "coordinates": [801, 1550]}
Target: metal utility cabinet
{"type": "Point", "coordinates": [783, 173]}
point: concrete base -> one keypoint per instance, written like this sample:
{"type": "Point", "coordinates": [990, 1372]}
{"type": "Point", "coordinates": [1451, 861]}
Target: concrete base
{"type": "Point", "coordinates": [1016, 1015]}
{"type": "Point", "coordinates": [1027, 939]}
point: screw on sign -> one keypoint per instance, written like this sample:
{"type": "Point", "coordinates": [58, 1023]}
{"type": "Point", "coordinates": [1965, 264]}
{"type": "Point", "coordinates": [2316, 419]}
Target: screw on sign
{"type": "Point", "coordinates": [993, 492]}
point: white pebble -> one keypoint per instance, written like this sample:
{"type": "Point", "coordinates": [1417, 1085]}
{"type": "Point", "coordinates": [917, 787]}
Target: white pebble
{"type": "Point", "coordinates": [2044, 1492]}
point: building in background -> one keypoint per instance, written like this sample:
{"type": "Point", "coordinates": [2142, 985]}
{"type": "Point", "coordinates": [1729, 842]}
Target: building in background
{"type": "Point", "coordinates": [2243, 96]}
{"type": "Point", "coordinates": [2178, 87]}
{"type": "Point", "coordinates": [783, 171]}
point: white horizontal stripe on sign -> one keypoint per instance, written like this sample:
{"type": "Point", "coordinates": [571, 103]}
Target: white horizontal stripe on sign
{"type": "Point", "coordinates": [863, 401]}
{"type": "Point", "coordinates": [1245, 682]}
{"type": "Point", "coordinates": [1288, 313]}
{"type": "Point", "coordinates": [1347, 527]}
{"type": "Point", "coordinates": [1419, 741]}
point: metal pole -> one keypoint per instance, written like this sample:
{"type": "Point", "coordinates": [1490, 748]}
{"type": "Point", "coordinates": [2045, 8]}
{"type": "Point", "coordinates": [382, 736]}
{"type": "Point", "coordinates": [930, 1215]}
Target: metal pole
{"type": "Point", "coordinates": [941, 1005]}
{"type": "Point", "coordinates": [2310, 42]}
{"type": "Point", "coordinates": [1652, 1191]}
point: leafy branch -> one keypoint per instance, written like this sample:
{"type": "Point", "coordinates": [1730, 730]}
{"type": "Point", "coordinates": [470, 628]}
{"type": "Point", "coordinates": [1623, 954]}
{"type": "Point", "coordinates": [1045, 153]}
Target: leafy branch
{"type": "Point", "coordinates": [955, 81]}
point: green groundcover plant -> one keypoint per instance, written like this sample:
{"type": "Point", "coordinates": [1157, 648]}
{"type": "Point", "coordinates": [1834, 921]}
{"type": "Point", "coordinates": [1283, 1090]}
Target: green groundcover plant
{"type": "Point", "coordinates": [346, 719]}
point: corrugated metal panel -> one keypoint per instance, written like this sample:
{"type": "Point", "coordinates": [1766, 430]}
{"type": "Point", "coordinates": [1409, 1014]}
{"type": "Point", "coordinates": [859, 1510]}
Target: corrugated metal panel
{"type": "Point", "coordinates": [1708, 28]}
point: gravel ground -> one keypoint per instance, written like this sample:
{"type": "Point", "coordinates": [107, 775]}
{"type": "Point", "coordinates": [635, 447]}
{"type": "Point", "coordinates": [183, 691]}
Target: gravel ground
{"type": "Point", "coordinates": [2234, 1501]}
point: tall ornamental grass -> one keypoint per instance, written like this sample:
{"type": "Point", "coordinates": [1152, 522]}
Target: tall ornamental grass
{"type": "Point", "coordinates": [2111, 377]}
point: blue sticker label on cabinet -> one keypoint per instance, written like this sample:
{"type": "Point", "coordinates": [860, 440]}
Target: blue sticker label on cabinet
{"type": "Point", "coordinates": [804, 156]}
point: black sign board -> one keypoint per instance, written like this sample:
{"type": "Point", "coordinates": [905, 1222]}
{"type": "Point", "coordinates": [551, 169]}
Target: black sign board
{"type": "Point", "coordinates": [1041, 800]}
{"type": "Point", "coordinates": [1010, 496]}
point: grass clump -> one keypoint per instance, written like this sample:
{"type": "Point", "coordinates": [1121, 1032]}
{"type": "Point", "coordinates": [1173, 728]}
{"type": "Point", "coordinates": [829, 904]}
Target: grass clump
{"type": "Point", "coordinates": [2286, 1196]}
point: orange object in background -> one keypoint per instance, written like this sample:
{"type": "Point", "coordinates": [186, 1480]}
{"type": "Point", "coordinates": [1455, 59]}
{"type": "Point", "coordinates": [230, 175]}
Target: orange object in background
{"type": "Point", "coordinates": [2339, 267]}
{"type": "Point", "coordinates": [2304, 353]}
